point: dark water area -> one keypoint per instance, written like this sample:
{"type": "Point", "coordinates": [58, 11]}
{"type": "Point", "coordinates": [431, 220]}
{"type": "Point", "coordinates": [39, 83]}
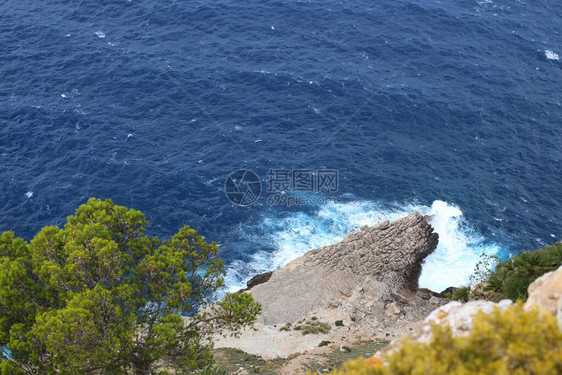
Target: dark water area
{"type": "Point", "coordinates": [451, 109]}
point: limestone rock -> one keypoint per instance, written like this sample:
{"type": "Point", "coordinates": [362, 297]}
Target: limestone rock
{"type": "Point", "coordinates": [455, 314]}
{"type": "Point", "coordinates": [372, 263]}
{"type": "Point", "coordinates": [434, 300]}
{"type": "Point", "coordinates": [393, 310]}
{"type": "Point", "coordinates": [459, 316]}
{"type": "Point", "coordinates": [257, 280]}
{"type": "Point", "coordinates": [546, 293]}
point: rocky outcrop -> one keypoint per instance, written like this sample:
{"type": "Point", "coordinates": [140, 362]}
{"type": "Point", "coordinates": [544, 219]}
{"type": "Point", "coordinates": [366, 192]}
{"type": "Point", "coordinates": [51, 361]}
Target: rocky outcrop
{"type": "Point", "coordinates": [382, 260]}
{"type": "Point", "coordinates": [458, 316]}
{"type": "Point", "coordinates": [546, 293]}
{"type": "Point", "coordinates": [257, 280]}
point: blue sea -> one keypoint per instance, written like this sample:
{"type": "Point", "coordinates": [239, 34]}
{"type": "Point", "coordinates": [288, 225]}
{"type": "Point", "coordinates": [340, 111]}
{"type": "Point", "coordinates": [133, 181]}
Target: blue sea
{"type": "Point", "coordinates": [451, 108]}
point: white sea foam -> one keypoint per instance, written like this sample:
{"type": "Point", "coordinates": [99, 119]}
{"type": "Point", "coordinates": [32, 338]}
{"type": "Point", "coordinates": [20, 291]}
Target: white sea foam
{"type": "Point", "coordinates": [100, 34]}
{"type": "Point", "coordinates": [551, 55]}
{"type": "Point", "coordinates": [211, 181]}
{"type": "Point", "coordinates": [450, 264]}
{"type": "Point", "coordinates": [29, 194]}
{"type": "Point", "coordinates": [459, 249]}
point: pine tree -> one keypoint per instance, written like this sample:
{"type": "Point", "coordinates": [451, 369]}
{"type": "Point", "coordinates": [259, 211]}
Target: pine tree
{"type": "Point", "coordinates": [99, 296]}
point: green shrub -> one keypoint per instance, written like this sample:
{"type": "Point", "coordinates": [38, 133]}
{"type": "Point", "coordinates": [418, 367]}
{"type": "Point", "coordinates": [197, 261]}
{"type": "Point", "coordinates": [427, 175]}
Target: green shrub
{"type": "Point", "coordinates": [484, 268]}
{"type": "Point", "coordinates": [461, 294]}
{"type": "Point", "coordinates": [316, 327]}
{"type": "Point", "coordinates": [510, 341]}
{"type": "Point", "coordinates": [339, 323]}
{"type": "Point", "coordinates": [312, 326]}
{"type": "Point", "coordinates": [324, 343]}
{"type": "Point", "coordinates": [230, 360]}
{"type": "Point", "coordinates": [511, 278]}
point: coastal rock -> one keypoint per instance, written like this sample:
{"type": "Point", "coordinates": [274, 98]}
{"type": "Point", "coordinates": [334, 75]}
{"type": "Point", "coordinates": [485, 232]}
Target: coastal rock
{"type": "Point", "coordinates": [455, 314]}
{"type": "Point", "coordinates": [368, 265]}
{"type": "Point", "coordinates": [458, 316]}
{"type": "Point", "coordinates": [257, 280]}
{"type": "Point", "coordinates": [546, 293]}
{"type": "Point", "coordinates": [393, 310]}
{"type": "Point", "coordinates": [434, 300]}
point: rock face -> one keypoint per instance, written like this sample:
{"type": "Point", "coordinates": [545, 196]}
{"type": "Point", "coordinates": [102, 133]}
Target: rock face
{"type": "Point", "coordinates": [259, 279]}
{"type": "Point", "coordinates": [384, 259]}
{"type": "Point", "coordinates": [458, 316]}
{"type": "Point", "coordinates": [256, 280]}
{"type": "Point", "coordinates": [546, 293]}
{"type": "Point", "coordinates": [455, 314]}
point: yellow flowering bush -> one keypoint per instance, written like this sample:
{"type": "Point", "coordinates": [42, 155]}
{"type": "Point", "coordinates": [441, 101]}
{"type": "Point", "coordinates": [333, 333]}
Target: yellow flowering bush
{"type": "Point", "coordinates": [510, 341]}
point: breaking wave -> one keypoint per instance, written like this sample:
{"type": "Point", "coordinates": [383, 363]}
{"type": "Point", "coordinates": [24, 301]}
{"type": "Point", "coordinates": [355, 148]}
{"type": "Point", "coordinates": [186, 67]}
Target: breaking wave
{"type": "Point", "coordinates": [286, 238]}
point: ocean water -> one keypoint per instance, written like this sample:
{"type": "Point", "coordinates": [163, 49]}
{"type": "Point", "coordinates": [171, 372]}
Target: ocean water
{"type": "Point", "coordinates": [449, 108]}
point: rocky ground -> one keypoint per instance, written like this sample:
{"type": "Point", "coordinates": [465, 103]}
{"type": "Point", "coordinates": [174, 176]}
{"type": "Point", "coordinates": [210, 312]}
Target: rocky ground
{"type": "Point", "coordinates": [352, 299]}
{"type": "Point", "coordinates": [360, 290]}
{"type": "Point", "coordinates": [235, 361]}
{"type": "Point", "coordinates": [354, 319]}
{"type": "Point", "coordinates": [545, 293]}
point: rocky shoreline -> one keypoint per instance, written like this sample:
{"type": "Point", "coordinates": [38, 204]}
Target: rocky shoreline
{"type": "Point", "coordinates": [364, 287]}
{"type": "Point", "coordinates": [375, 264]}
{"type": "Point", "coordinates": [361, 292]}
